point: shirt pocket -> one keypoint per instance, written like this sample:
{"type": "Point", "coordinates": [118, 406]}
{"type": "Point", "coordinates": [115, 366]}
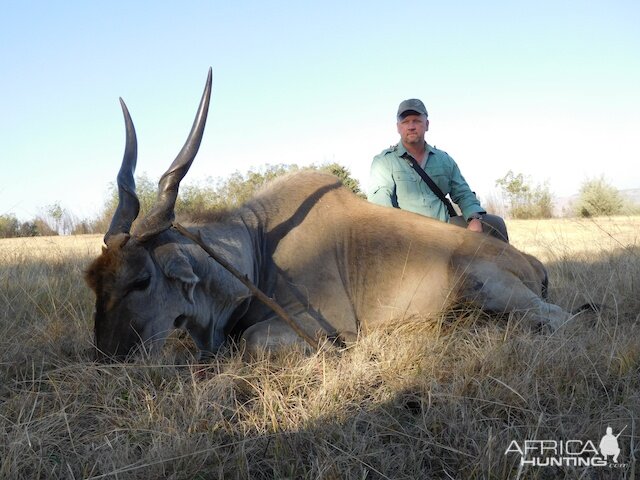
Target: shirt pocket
{"type": "Point", "coordinates": [407, 189]}
{"type": "Point", "coordinates": [400, 176]}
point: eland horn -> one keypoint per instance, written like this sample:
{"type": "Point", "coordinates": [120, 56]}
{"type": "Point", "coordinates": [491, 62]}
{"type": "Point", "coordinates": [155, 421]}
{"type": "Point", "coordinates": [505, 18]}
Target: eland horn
{"type": "Point", "coordinates": [128, 203]}
{"type": "Point", "coordinates": [161, 216]}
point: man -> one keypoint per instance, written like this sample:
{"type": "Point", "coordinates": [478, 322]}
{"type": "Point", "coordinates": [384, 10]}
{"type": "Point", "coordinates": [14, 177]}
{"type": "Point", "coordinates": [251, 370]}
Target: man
{"type": "Point", "coordinates": [395, 182]}
{"type": "Point", "coordinates": [609, 445]}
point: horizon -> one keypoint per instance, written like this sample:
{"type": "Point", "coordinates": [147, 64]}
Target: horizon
{"type": "Point", "coordinates": [562, 207]}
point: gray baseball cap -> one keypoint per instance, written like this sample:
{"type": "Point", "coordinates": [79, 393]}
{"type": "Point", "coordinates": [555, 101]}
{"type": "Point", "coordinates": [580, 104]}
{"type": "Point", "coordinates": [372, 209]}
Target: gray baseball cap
{"type": "Point", "coordinates": [412, 105]}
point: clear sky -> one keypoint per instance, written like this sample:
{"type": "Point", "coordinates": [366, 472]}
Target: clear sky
{"type": "Point", "coordinates": [550, 89]}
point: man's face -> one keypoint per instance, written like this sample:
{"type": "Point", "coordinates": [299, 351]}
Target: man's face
{"type": "Point", "coordinates": [412, 129]}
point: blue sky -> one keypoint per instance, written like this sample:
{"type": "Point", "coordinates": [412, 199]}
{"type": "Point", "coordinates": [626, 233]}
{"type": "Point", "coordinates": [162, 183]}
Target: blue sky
{"type": "Point", "coordinates": [549, 89]}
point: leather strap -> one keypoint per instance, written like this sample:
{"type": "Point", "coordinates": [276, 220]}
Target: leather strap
{"type": "Point", "coordinates": [431, 184]}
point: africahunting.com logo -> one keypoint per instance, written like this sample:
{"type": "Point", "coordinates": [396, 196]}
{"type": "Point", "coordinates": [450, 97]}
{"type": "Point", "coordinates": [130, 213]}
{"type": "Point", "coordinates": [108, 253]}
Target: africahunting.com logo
{"type": "Point", "coordinates": [570, 453]}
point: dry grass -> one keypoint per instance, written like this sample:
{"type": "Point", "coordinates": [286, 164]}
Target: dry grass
{"type": "Point", "coordinates": [436, 398]}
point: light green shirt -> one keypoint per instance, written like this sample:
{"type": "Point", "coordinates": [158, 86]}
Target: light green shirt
{"type": "Point", "coordinates": [393, 183]}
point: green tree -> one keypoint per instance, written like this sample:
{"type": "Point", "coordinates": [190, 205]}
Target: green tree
{"type": "Point", "coordinates": [43, 226]}
{"type": "Point", "coordinates": [55, 214]}
{"type": "Point", "coordinates": [239, 188]}
{"type": "Point", "coordinates": [28, 229]}
{"type": "Point", "coordinates": [56, 220]}
{"type": "Point", "coordinates": [146, 190]}
{"type": "Point", "coordinates": [598, 198]}
{"type": "Point", "coordinates": [345, 177]}
{"type": "Point", "coordinates": [9, 226]}
{"type": "Point", "coordinates": [524, 200]}
{"type": "Point", "coordinates": [195, 201]}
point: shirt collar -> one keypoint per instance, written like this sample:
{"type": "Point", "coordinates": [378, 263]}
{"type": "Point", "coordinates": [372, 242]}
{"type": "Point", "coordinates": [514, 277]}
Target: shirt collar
{"type": "Point", "coordinates": [402, 152]}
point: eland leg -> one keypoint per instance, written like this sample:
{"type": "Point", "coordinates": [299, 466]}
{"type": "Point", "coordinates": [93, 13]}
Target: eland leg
{"type": "Point", "coordinates": [492, 289]}
{"type": "Point", "coordinates": [274, 334]}
{"type": "Point", "coordinates": [270, 335]}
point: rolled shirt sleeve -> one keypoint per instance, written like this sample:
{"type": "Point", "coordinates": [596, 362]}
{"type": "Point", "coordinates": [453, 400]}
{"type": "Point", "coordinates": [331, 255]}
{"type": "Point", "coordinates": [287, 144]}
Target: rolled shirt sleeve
{"type": "Point", "coordinates": [381, 189]}
{"type": "Point", "coordinates": [461, 194]}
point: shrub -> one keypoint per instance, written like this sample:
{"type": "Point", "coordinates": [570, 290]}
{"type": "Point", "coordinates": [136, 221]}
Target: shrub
{"type": "Point", "coordinates": [525, 201]}
{"type": "Point", "coordinates": [598, 198]}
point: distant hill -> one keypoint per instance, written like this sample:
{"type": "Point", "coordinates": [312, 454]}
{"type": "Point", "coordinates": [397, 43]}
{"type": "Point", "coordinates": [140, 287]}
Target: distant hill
{"type": "Point", "coordinates": [633, 194]}
{"type": "Point", "coordinates": [563, 204]}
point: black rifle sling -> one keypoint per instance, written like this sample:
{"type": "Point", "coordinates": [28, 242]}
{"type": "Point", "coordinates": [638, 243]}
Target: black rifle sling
{"type": "Point", "coordinates": [431, 184]}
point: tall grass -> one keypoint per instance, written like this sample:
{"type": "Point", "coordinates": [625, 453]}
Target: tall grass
{"type": "Point", "coordinates": [428, 398]}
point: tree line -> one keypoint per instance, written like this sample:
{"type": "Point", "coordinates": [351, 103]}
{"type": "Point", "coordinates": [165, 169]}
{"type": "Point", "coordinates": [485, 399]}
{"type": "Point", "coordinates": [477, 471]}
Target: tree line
{"type": "Point", "coordinates": [519, 198]}
{"type": "Point", "coordinates": [194, 201]}
{"type": "Point", "coordinates": [596, 198]}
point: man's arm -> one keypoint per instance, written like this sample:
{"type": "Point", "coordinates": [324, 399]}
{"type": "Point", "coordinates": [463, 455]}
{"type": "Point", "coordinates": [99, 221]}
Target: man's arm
{"type": "Point", "coordinates": [462, 195]}
{"type": "Point", "coordinates": [382, 188]}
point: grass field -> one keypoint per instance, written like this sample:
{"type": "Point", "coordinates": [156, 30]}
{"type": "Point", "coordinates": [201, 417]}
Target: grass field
{"type": "Point", "coordinates": [436, 398]}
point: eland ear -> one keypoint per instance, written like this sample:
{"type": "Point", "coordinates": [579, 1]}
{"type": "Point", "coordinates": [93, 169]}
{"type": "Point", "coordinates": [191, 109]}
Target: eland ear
{"type": "Point", "coordinates": [176, 266]}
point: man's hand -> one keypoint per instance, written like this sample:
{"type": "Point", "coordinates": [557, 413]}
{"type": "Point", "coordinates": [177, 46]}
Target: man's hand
{"type": "Point", "coordinates": [475, 225]}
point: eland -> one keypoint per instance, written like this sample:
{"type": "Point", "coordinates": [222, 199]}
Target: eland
{"type": "Point", "coordinates": [338, 265]}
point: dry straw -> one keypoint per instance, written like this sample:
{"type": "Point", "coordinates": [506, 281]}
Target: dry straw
{"type": "Point", "coordinates": [424, 398]}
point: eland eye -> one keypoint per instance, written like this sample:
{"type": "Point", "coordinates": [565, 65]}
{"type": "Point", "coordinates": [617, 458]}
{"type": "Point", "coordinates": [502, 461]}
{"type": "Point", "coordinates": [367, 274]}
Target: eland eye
{"type": "Point", "coordinates": [139, 285]}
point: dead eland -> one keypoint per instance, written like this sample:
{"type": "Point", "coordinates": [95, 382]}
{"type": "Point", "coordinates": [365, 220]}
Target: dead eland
{"type": "Point", "coordinates": [334, 262]}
